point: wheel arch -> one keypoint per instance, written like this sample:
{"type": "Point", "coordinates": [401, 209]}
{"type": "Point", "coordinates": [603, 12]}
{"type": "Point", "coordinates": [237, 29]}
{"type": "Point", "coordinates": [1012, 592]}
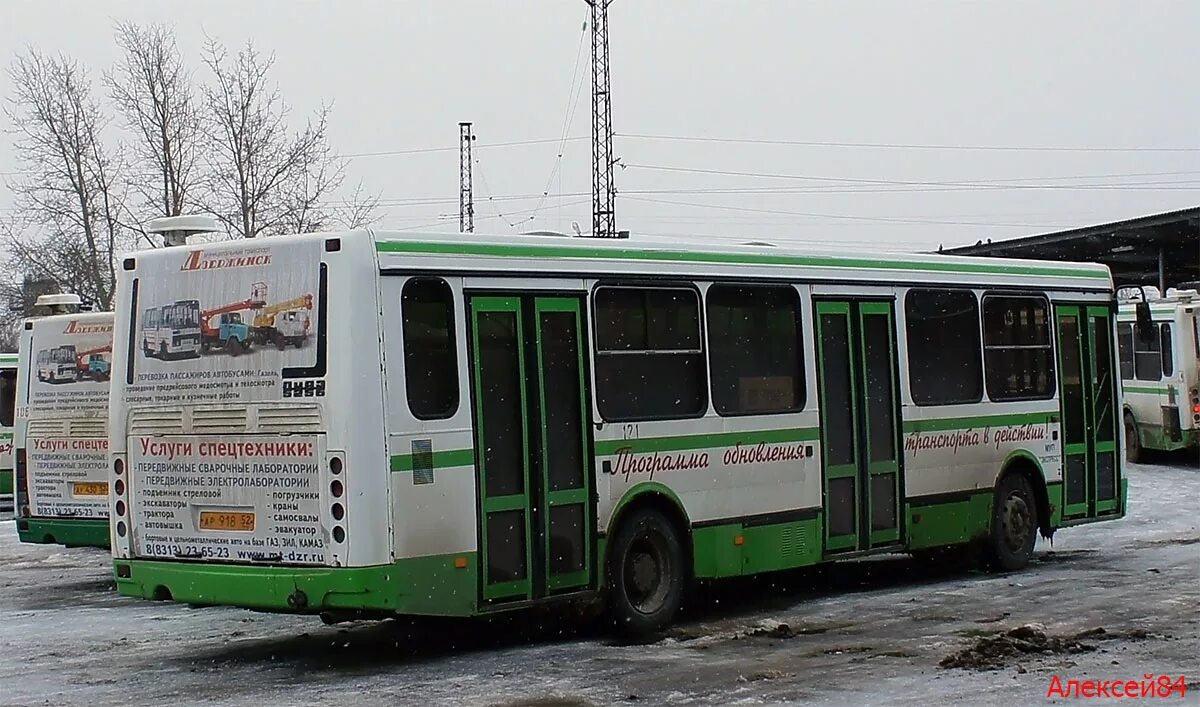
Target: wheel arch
{"type": "Point", "coordinates": [1023, 462]}
{"type": "Point", "coordinates": [656, 496]}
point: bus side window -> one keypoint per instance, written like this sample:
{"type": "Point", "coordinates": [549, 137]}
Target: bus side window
{"type": "Point", "coordinates": [1168, 363]}
{"type": "Point", "coordinates": [8, 397]}
{"type": "Point", "coordinates": [1017, 353]}
{"type": "Point", "coordinates": [1125, 349]}
{"type": "Point", "coordinates": [942, 334]}
{"type": "Point", "coordinates": [649, 354]}
{"type": "Point", "coordinates": [1147, 356]}
{"type": "Point", "coordinates": [755, 349]}
{"type": "Point", "coordinates": [430, 361]}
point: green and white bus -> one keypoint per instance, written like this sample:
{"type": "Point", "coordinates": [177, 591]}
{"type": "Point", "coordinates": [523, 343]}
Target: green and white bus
{"type": "Point", "coordinates": [61, 435]}
{"type": "Point", "coordinates": [1160, 372]}
{"type": "Point", "coordinates": [8, 409]}
{"type": "Point", "coordinates": [484, 423]}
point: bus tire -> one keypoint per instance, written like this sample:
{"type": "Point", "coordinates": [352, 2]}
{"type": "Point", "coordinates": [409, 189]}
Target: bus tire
{"type": "Point", "coordinates": [1014, 524]}
{"type": "Point", "coordinates": [1133, 443]}
{"type": "Point", "coordinates": [646, 573]}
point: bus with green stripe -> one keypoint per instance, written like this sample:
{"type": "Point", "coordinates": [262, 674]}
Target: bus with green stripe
{"type": "Point", "coordinates": [61, 434]}
{"type": "Point", "coordinates": [482, 424]}
{"type": "Point", "coordinates": [1160, 370]}
{"type": "Point", "coordinates": [8, 409]}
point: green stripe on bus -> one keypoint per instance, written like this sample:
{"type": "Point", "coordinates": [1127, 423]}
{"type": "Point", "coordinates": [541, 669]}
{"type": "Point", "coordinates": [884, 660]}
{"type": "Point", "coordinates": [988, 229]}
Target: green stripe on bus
{"type": "Point", "coordinates": [441, 460]}
{"type": "Point", "coordinates": [534, 251]}
{"type": "Point", "coordinates": [1144, 389]}
{"type": "Point", "coordinates": [962, 423]}
{"type": "Point", "coordinates": [705, 441]}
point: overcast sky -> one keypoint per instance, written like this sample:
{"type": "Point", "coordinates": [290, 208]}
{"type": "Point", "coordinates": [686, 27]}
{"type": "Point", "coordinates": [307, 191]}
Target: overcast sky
{"type": "Point", "coordinates": [886, 77]}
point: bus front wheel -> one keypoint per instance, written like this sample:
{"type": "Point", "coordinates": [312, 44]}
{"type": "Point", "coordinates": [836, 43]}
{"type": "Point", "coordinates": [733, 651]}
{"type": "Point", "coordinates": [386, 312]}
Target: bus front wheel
{"type": "Point", "coordinates": [1133, 445]}
{"type": "Point", "coordinates": [1014, 524]}
{"type": "Point", "coordinates": [646, 573]}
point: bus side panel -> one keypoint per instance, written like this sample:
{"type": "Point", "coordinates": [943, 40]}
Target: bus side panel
{"type": "Point", "coordinates": [431, 474]}
{"type": "Point", "coordinates": [954, 454]}
{"type": "Point", "coordinates": [749, 485]}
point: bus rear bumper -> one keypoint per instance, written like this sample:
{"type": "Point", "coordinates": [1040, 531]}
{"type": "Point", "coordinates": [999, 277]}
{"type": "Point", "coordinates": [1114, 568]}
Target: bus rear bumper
{"type": "Point", "coordinates": [72, 533]}
{"type": "Point", "coordinates": [301, 590]}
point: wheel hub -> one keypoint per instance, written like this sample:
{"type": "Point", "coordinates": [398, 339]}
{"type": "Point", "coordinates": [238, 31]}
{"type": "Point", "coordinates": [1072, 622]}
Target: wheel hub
{"type": "Point", "coordinates": [645, 573]}
{"type": "Point", "coordinates": [1018, 522]}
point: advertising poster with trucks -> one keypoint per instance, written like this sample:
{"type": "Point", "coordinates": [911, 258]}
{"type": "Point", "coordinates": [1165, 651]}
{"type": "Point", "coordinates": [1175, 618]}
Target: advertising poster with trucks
{"type": "Point", "coordinates": [65, 415]}
{"type": "Point", "coordinates": [228, 334]}
{"type": "Point", "coordinates": [222, 324]}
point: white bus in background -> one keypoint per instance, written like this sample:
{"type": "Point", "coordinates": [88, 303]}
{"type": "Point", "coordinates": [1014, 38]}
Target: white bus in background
{"type": "Point", "coordinates": [172, 330]}
{"type": "Point", "coordinates": [1160, 369]}
{"type": "Point", "coordinates": [57, 364]}
{"type": "Point", "coordinates": [8, 410]}
{"type": "Point", "coordinates": [61, 432]}
{"type": "Point", "coordinates": [482, 423]}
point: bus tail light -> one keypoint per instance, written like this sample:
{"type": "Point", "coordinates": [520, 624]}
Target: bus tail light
{"type": "Point", "coordinates": [337, 489]}
{"type": "Point", "coordinates": [22, 483]}
{"type": "Point", "coordinates": [120, 489]}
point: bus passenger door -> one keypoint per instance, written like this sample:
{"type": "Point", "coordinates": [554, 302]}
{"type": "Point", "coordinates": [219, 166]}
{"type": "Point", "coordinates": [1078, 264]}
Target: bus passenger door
{"type": "Point", "coordinates": [532, 446]}
{"type": "Point", "coordinates": [859, 424]}
{"type": "Point", "coordinates": [1087, 392]}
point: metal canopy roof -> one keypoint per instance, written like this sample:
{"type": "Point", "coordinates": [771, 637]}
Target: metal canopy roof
{"type": "Point", "coordinates": [1160, 249]}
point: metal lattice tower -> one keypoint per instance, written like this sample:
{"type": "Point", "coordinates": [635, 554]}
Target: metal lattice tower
{"type": "Point", "coordinates": [466, 195]}
{"type": "Point", "coordinates": [604, 222]}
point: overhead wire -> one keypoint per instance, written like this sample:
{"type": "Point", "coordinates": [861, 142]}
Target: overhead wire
{"type": "Point", "coordinates": [906, 146]}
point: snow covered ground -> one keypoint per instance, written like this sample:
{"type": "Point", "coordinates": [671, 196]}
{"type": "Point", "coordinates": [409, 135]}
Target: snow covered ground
{"type": "Point", "coordinates": [870, 632]}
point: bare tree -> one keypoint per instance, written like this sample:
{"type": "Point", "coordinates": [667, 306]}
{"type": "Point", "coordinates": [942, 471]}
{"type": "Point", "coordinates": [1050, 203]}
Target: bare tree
{"type": "Point", "coordinates": [69, 196]}
{"type": "Point", "coordinates": [152, 90]}
{"type": "Point", "coordinates": [360, 210]}
{"type": "Point", "coordinates": [264, 178]}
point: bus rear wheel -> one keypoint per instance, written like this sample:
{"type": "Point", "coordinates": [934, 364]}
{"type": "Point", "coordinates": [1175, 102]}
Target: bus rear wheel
{"type": "Point", "coordinates": [646, 574]}
{"type": "Point", "coordinates": [1133, 445]}
{"type": "Point", "coordinates": [1014, 524]}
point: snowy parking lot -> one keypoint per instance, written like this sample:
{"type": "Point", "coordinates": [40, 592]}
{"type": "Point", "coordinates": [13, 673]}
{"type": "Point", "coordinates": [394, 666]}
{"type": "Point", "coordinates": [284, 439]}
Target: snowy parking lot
{"type": "Point", "coordinates": [1111, 601]}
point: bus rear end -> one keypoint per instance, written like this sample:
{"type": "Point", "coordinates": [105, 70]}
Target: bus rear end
{"type": "Point", "coordinates": [232, 483]}
{"type": "Point", "coordinates": [61, 433]}
{"type": "Point", "coordinates": [8, 411]}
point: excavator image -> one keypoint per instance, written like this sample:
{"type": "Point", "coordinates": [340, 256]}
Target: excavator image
{"type": "Point", "coordinates": [283, 323]}
{"type": "Point", "coordinates": [223, 327]}
{"type": "Point", "coordinates": [93, 363]}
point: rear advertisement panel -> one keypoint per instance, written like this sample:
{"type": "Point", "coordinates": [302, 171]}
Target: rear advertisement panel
{"type": "Point", "coordinates": [228, 498]}
{"type": "Point", "coordinates": [66, 435]}
{"type": "Point", "coordinates": [227, 325]}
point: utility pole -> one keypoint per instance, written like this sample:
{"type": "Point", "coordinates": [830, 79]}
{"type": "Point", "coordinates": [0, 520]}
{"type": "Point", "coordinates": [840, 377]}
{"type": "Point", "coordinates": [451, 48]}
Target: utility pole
{"type": "Point", "coordinates": [604, 222]}
{"type": "Point", "coordinates": [466, 194]}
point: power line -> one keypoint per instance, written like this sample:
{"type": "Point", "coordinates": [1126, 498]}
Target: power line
{"type": "Point", "coordinates": [573, 95]}
{"type": "Point", "coordinates": [423, 150]}
{"type": "Point", "coordinates": [848, 217]}
{"type": "Point", "coordinates": [971, 183]}
{"type": "Point", "coordinates": [905, 146]}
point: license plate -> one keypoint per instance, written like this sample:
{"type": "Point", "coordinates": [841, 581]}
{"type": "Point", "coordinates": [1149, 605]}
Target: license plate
{"type": "Point", "coordinates": [226, 520]}
{"type": "Point", "coordinates": [84, 488]}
